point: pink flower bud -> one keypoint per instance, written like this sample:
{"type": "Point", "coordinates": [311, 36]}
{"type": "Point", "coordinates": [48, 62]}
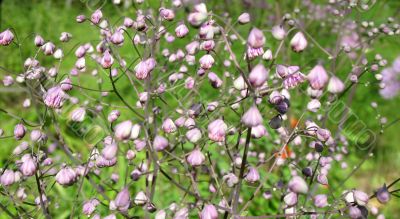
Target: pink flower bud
{"type": "Point", "coordinates": [128, 22]}
{"type": "Point", "coordinates": [192, 47]}
{"type": "Point", "coordinates": [123, 130]}
{"type": "Point", "coordinates": [80, 18]}
{"type": "Point", "coordinates": [360, 197]}
{"type": "Point", "coordinates": [383, 195]}
{"type": "Point", "coordinates": [355, 212]}
{"type": "Point", "coordinates": [90, 206]}
{"type": "Point", "coordinates": [117, 38]}
{"type": "Point", "coordinates": [66, 176]}
{"type": "Point", "coordinates": [209, 212]}
{"type": "Point", "coordinates": [48, 48]}
{"type": "Point", "coordinates": [335, 85]}
{"type": "Point", "coordinates": [160, 143]}
{"type": "Point", "coordinates": [199, 15]}
{"type": "Point", "coordinates": [39, 41]}
{"type": "Point", "coordinates": [6, 37]}
{"type": "Point", "coordinates": [65, 37]}
{"type": "Point", "coordinates": [80, 52]}
{"type": "Point", "coordinates": [123, 200]}
{"type": "Point", "coordinates": [181, 30]}
{"type": "Point", "coordinates": [259, 131]}
{"type": "Point", "coordinates": [215, 81]}
{"type": "Point", "coordinates": [206, 62]}
{"type": "Point", "coordinates": [193, 135]}
{"type": "Point", "coordinates": [322, 179]}
{"type": "Point", "coordinates": [293, 80]}
{"type": "Point", "coordinates": [109, 152]}
{"type": "Point", "coordinates": [143, 68]}
{"type": "Point", "coordinates": [28, 166]}
{"type": "Point", "coordinates": [256, 38]}
{"type": "Point", "coordinates": [320, 201]}
{"type": "Point", "coordinates": [298, 42]}
{"type": "Point", "coordinates": [230, 179]}
{"type": "Point", "coordinates": [103, 162]}
{"type": "Point", "coordinates": [78, 115]}
{"type": "Point", "coordinates": [314, 105]}
{"type": "Point", "coordinates": [96, 16]}
{"type": "Point", "coordinates": [37, 135]}
{"type": "Point", "coordinates": [207, 45]}
{"type": "Point", "coordinates": [318, 77]}
{"type": "Point", "coordinates": [298, 185]}
{"type": "Point", "coordinates": [7, 178]}
{"type": "Point", "coordinates": [252, 176]}
{"type": "Point", "coordinates": [244, 18]}
{"type": "Point", "coordinates": [278, 32]}
{"type": "Point", "coordinates": [217, 130]}
{"type": "Point", "coordinates": [19, 131]}
{"type": "Point", "coordinates": [252, 117]}
{"type": "Point", "coordinates": [196, 158]}
{"type": "Point", "coordinates": [140, 198]}
{"type": "Point", "coordinates": [167, 14]}
{"type": "Point", "coordinates": [168, 126]}
{"type": "Point", "coordinates": [113, 115]}
{"type": "Point", "coordinates": [290, 199]}
{"type": "Point", "coordinates": [54, 97]}
{"type": "Point", "coordinates": [323, 134]}
{"type": "Point", "coordinates": [107, 60]}
{"type": "Point", "coordinates": [258, 75]}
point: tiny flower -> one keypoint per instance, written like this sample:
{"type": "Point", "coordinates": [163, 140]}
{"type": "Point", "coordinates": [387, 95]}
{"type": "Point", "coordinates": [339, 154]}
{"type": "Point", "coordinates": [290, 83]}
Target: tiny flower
{"type": "Point", "coordinates": [117, 38]}
{"type": "Point", "coordinates": [252, 117]}
{"type": "Point", "coordinates": [215, 81]}
{"type": "Point", "coordinates": [6, 37]}
{"type": "Point", "coordinates": [78, 115]}
{"type": "Point", "coordinates": [140, 198]}
{"type": "Point", "coordinates": [259, 131]}
{"type": "Point", "coordinates": [80, 18]}
{"type": "Point", "coordinates": [360, 197]}
{"type": "Point", "coordinates": [161, 214]}
{"type": "Point", "coordinates": [160, 143]}
{"type": "Point", "coordinates": [39, 41]}
{"type": "Point", "coordinates": [290, 199]}
{"type": "Point", "coordinates": [37, 135]}
{"type": "Point", "coordinates": [192, 47]}
{"type": "Point", "coordinates": [195, 158]}
{"type": "Point", "coordinates": [298, 185]}
{"type": "Point", "coordinates": [323, 134]}
{"type": "Point", "coordinates": [19, 131]}
{"type": "Point", "coordinates": [258, 75]}
{"type": "Point", "coordinates": [48, 48]}
{"type": "Point", "coordinates": [66, 84]}
{"type": "Point", "coordinates": [28, 166]}
{"type": "Point", "coordinates": [252, 176]}
{"type": "Point", "coordinates": [267, 55]}
{"type": "Point", "coordinates": [167, 14]}
{"type": "Point", "coordinates": [8, 81]}
{"type": "Point", "coordinates": [65, 37]}
{"type": "Point", "coordinates": [143, 68]}
{"type": "Point", "coordinates": [109, 152]}
{"type": "Point", "coordinates": [244, 18]}
{"type": "Point", "coordinates": [123, 200]}
{"type": "Point", "coordinates": [113, 115]}
{"type": "Point", "coordinates": [168, 126]}
{"type": "Point", "coordinates": [7, 178]}
{"type": "Point", "coordinates": [107, 60]}
{"type": "Point", "coordinates": [90, 206]}
{"type": "Point", "coordinates": [278, 32]}
{"type": "Point", "coordinates": [322, 179]}
{"type": "Point", "coordinates": [318, 77]}
{"type": "Point", "coordinates": [199, 15]}
{"type": "Point", "coordinates": [217, 130]}
{"type": "Point", "coordinates": [320, 201]}
{"type": "Point", "coordinates": [298, 42]}
{"type": "Point", "coordinates": [335, 85]}
{"type": "Point", "coordinates": [123, 130]}
{"type": "Point", "coordinates": [383, 194]}
{"type": "Point", "coordinates": [96, 16]}
{"type": "Point", "coordinates": [239, 83]}
{"type": "Point", "coordinates": [256, 38]}
{"type": "Point", "coordinates": [66, 176]}
{"type": "Point", "coordinates": [230, 179]}
{"type": "Point", "coordinates": [181, 30]}
{"type": "Point", "coordinates": [209, 212]}
{"type": "Point", "coordinates": [58, 54]}
{"type": "Point", "coordinates": [135, 131]}
{"type": "Point", "coordinates": [54, 97]}
{"type": "Point", "coordinates": [206, 62]}
{"type": "Point", "coordinates": [314, 105]}
{"type": "Point", "coordinates": [193, 135]}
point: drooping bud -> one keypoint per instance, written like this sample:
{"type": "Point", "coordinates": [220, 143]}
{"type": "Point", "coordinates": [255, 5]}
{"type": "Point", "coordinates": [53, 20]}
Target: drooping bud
{"type": "Point", "coordinates": [19, 131]}
{"type": "Point", "coordinates": [193, 135]}
{"type": "Point", "coordinates": [107, 60]}
{"type": "Point", "coordinates": [252, 175]}
{"type": "Point", "coordinates": [181, 30]}
{"type": "Point", "coordinates": [252, 117]}
{"type": "Point", "coordinates": [318, 77]}
{"type": "Point", "coordinates": [209, 212]}
{"type": "Point", "coordinates": [335, 85]}
{"type": "Point", "coordinates": [217, 130]}
{"type": "Point", "coordinates": [244, 18]}
{"type": "Point", "coordinates": [66, 176]}
{"type": "Point", "coordinates": [298, 42]}
{"type": "Point", "coordinates": [298, 185]}
{"type": "Point", "coordinates": [278, 32]}
{"type": "Point", "coordinates": [123, 130]}
{"type": "Point", "coordinates": [258, 75]}
{"type": "Point", "coordinates": [167, 14]}
{"type": "Point", "coordinates": [7, 178]}
{"type": "Point", "coordinates": [96, 16]}
{"type": "Point", "coordinates": [140, 198]}
{"type": "Point", "coordinates": [28, 166]}
{"type": "Point", "coordinates": [78, 115]}
{"type": "Point", "coordinates": [160, 143]}
{"type": "Point", "coordinates": [199, 15]}
{"type": "Point", "coordinates": [169, 126]}
{"type": "Point", "coordinates": [48, 48]}
{"type": "Point", "coordinates": [196, 158]}
{"type": "Point", "coordinates": [123, 200]}
{"type": "Point", "coordinates": [256, 38]}
{"type": "Point", "coordinates": [290, 199]}
{"type": "Point", "coordinates": [206, 62]}
{"type": "Point", "coordinates": [383, 195]}
{"type": "Point", "coordinates": [39, 41]}
{"type": "Point", "coordinates": [6, 37]}
{"type": "Point", "coordinates": [320, 201]}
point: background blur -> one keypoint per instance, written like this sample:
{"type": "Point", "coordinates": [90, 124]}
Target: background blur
{"type": "Point", "coordinates": [51, 17]}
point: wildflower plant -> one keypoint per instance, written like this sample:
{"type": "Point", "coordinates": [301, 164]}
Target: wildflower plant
{"type": "Point", "coordinates": [211, 114]}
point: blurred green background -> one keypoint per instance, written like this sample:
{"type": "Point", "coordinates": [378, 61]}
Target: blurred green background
{"type": "Point", "coordinates": [51, 17]}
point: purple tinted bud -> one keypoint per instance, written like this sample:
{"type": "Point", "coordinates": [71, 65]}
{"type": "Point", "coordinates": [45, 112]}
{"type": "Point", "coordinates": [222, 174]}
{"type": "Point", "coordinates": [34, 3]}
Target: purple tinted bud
{"type": "Point", "coordinates": [298, 42]}
{"type": "Point", "coordinates": [78, 115]}
{"type": "Point", "coordinates": [160, 143]}
{"type": "Point", "coordinates": [107, 60]}
{"type": "Point", "coordinates": [383, 194]}
{"type": "Point", "coordinates": [6, 37]}
{"type": "Point", "coordinates": [318, 77]}
{"type": "Point", "coordinates": [195, 158]}
{"type": "Point", "coordinates": [298, 185]}
{"type": "Point", "coordinates": [244, 18]}
{"type": "Point", "coordinates": [256, 38]}
{"type": "Point", "coordinates": [168, 126]}
{"type": "Point", "coordinates": [113, 115]}
{"type": "Point", "coordinates": [217, 130]}
{"type": "Point", "coordinates": [206, 62]}
{"type": "Point", "coordinates": [123, 200]}
{"type": "Point", "coordinates": [258, 75]}
{"type": "Point", "coordinates": [28, 166]}
{"type": "Point", "coordinates": [7, 178]}
{"type": "Point", "coordinates": [209, 212]}
{"type": "Point", "coordinates": [19, 131]}
{"type": "Point", "coordinates": [123, 130]}
{"type": "Point", "coordinates": [335, 85]}
{"type": "Point", "coordinates": [54, 97]}
{"type": "Point", "coordinates": [320, 201]}
{"type": "Point", "coordinates": [66, 176]}
{"type": "Point", "coordinates": [96, 16]}
{"type": "Point", "coordinates": [90, 206]}
{"type": "Point", "coordinates": [48, 48]}
{"type": "Point", "coordinates": [181, 30]}
{"type": "Point", "coordinates": [39, 41]}
{"type": "Point", "coordinates": [80, 18]}
{"type": "Point", "coordinates": [252, 175]}
{"type": "Point", "coordinates": [290, 199]}
{"type": "Point", "coordinates": [252, 117]}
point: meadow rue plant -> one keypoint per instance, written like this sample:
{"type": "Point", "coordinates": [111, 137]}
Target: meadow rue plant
{"type": "Point", "coordinates": [188, 109]}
